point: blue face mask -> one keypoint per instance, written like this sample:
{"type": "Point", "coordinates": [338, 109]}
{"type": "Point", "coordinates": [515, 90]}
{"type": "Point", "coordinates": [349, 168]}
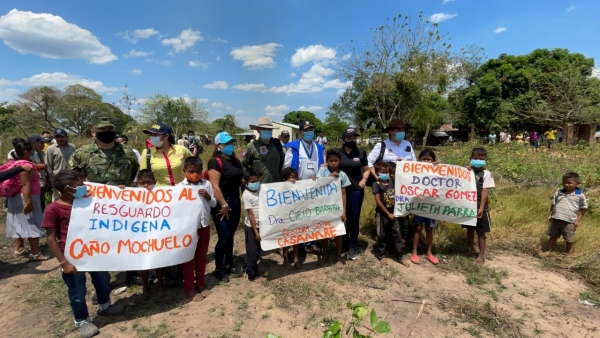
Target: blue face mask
{"type": "Point", "coordinates": [478, 163]}
{"type": "Point", "coordinates": [309, 136]}
{"type": "Point", "coordinates": [191, 138]}
{"type": "Point", "coordinates": [266, 134]}
{"type": "Point", "coordinates": [227, 150]}
{"type": "Point", "coordinates": [35, 156]}
{"type": "Point", "coordinates": [254, 186]}
{"type": "Point", "coordinates": [399, 136]}
{"type": "Point", "coordinates": [80, 191]}
{"type": "Point", "coordinates": [384, 177]}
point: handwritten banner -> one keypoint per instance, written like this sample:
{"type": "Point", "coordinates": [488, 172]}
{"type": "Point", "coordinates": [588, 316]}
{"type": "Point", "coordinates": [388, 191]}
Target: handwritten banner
{"type": "Point", "coordinates": [294, 213]}
{"type": "Point", "coordinates": [443, 192]}
{"type": "Point", "coordinates": [113, 229]}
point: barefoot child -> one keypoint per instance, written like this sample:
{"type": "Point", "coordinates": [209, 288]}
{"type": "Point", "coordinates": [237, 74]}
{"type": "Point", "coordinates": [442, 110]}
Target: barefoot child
{"type": "Point", "coordinates": [484, 181]}
{"type": "Point", "coordinates": [387, 224]}
{"type": "Point", "coordinates": [56, 222]}
{"type": "Point", "coordinates": [193, 176]}
{"type": "Point", "coordinates": [426, 155]}
{"type": "Point", "coordinates": [333, 160]}
{"type": "Point", "coordinates": [252, 235]}
{"type": "Point", "coordinates": [290, 175]}
{"type": "Point", "coordinates": [567, 209]}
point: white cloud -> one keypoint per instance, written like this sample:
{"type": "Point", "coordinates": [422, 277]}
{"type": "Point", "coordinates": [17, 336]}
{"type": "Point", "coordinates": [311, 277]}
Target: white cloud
{"type": "Point", "coordinates": [136, 71]}
{"type": "Point", "coordinates": [217, 85]}
{"type": "Point", "coordinates": [310, 82]}
{"type": "Point", "coordinates": [314, 53]}
{"type": "Point", "coordinates": [439, 17]}
{"type": "Point", "coordinates": [136, 54]}
{"type": "Point", "coordinates": [311, 108]}
{"type": "Point", "coordinates": [138, 34]}
{"type": "Point", "coordinates": [596, 73]}
{"type": "Point", "coordinates": [447, 1]}
{"type": "Point", "coordinates": [292, 75]}
{"type": "Point", "coordinates": [199, 64]}
{"type": "Point", "coordinates": [570, 8]}
{"type": "Point", "coordinates": [217, 105]}
{"type": "Point", "coordinates": [8, 94]}
{"type": "Point", "coordinates": [160, 62]}
{"type": "Point", "coordinates": [185, 40]}
{"type": "Point", "coordinates": [499, 30]}
{"type": "Point", "coordinates": [341, 91]}
{"type": "Point", "coordinates": [218, 58]}
{"type": "Point", "coordinates": [346, 56]}
{"type": "Point", "coordinates": [59, 79]}
{"type": "Point", "coordinates": [219, 40]}
{"type": "Point", "coordinates": [238, 112]}
{"type": "Point", "coordinates": [50, 36]}
{"type": "Point", "coordinates": [337, 84]}
{"type": "Point", "coordinates": [257, 56]}
{"type": "Point", "coordinates": [276, 110]}
{"type": "Point", "coordinates": [249, 86]}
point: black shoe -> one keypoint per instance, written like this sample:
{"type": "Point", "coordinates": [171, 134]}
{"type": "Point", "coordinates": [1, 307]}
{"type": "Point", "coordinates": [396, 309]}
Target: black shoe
{"type": "Point", "coordinates": [223, 277]}
{"type": "Point", "coordinates": [235, 272]}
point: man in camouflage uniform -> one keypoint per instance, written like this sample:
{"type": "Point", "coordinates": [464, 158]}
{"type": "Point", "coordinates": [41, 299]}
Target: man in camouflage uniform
{"type": "Point", "coordinates": [105, 161]}
{"type": "Point", "coordinates": [264, 155]}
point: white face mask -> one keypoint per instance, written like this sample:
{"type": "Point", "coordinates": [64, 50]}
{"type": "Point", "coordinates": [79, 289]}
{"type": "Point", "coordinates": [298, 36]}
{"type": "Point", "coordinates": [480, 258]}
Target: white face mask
{"type": "Point", "coordinates": [155, 140]}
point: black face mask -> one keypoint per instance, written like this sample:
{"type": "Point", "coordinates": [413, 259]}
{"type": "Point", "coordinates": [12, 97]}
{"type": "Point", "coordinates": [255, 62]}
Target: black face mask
{"type": "Point", "coordinates": [106, 136]}
{"type": "Point", "coordinates": [350, 144]}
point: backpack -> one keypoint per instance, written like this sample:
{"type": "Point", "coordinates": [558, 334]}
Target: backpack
{"type": "Point", "coordinates": [372, 179]}
{"type": "Point", "coordinates": [220, 163]}
{"type": "Point", "coordinates": [11, 186]}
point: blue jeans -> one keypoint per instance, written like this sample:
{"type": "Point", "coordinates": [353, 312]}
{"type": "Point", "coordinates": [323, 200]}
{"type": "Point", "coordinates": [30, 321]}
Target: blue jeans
{"type": "Point", "coordinates": [226, 230]}
{"type": "Point", "coordinates": [354, 201]}
{"type": "Point", "coordinates": [76, 290]}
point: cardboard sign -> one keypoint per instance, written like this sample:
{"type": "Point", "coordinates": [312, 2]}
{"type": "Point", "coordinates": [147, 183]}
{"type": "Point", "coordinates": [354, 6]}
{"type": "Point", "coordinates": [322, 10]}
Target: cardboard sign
{"type": "Point", "coordinates": [115, 229]}
{"type": "Point", "coordinates": [443, 192]}
{"type": "Point", "coordinates": [294, 213]}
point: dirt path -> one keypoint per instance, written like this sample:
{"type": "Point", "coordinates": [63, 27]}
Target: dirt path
{"type": "Point", "coordinates": [525, 300]}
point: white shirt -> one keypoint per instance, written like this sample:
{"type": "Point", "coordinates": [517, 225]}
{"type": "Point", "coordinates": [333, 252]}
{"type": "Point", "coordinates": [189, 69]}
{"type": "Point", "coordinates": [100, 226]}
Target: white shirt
{"type": "Point", "coordinates": [250, 199]}
{"type": "Point", "coordinates": [392, 152]}
{"type": "Point", "coordinates": [488, 180]}
{"type": "Point", "coordinates": [137, 154]}
{"type": "Point", "coordinates": [10, 155]}
{"type": "Point", "coordinates": [322, 140]}
{"type": "Point", "coordinates": [206, 205]}
{"type": "Point", "coordinates": [307, 167]}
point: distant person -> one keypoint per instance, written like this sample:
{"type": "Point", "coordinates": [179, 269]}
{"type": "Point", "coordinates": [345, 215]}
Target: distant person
{"type": "Point", "coordinates": [567, 209]}
{"type": "Point", "coordinates": [550, 137]}
{"type": "Point", "coordinates": [534, 139]}
{"type": "Point", "coordinates": [284, 137]}
{"type": "Point", "coordinates": [194, 144]}
{"type": "Point", "coordinates": [47, 135]}
{"type": "Point", "coordinates": [492, 138]}
{"type": "Point", "coordinates": [38, 143]}
{"type": "Point", "coordinates": [507, 138]}
{"type": "Point", "coordinates": [503, 135]}
{"type": "Point", "coordinates": [124, 140]}
{"type": "Point", "coordinates": [322, 140]}
{"type": "Point", "coordinates": [560, 135]}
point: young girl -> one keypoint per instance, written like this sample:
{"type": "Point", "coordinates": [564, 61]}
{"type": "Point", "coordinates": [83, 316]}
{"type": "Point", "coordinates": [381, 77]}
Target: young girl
{"type": "Point", "coordinates": [252, 235]}
{"type": "Point", "coordinates": [290, 175]}
{"type": "Point", "coordinates": [426, 155]}
{"type": "Point", "coordinates": [333, 159]}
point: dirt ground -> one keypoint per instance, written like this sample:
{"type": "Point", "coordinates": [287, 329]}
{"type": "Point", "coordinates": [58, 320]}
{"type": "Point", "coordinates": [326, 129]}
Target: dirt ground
{"type": "Point", "coordinates": [513, 296]}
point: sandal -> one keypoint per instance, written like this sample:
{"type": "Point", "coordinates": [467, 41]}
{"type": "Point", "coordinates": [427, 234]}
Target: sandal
{"type": "Point", "coordinates": [432, 259]}
{"type": "Point", "coordinates": [415, 259]}
{"type": "Point", "coordinates": [22, 253]}
{"type": "Point", "coordinates": [38, 257]}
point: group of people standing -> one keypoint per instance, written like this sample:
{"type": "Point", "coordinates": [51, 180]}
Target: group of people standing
{"type": "Point", "coordinates": [533, 138]}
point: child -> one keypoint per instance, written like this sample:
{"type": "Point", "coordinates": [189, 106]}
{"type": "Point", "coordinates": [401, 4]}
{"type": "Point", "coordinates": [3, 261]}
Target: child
{"type": "Point", "coordinates": [567, 209]}
{"type": "Point", "coordinates": [484, 181]}
{"type": "Point", "coordinates": [146, 180]}
{"type": "Point", "coordinates": [252, 235]}
{"type": "Point", "coordinates": [290, 175]}
{"type": "Point", "coordinates": [426, 155]}
{"type": "Point", "coordinates": [388, 225]}
{"type": "Point", "coordinates": [192, 167]}
{"type": "Point", "coordinates": [333, 160]}
{"type": "Point", "coordinates": [56, 222]}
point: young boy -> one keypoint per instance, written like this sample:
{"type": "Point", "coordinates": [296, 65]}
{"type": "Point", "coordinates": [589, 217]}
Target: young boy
{"type": "Point", "coordinates": [333, 159]}
{"type": "Point", "coordinates": [193, 176]}
{"type": "Point", "coordinates": [252, 235]}
{"type": "Point", "coordinates": [567, 209]}
{"type": "Point", "coordinates": [484, 182]}
{"type": "Point", "coordinates": [387, 224]}
{"type": "Point", "coordinates": [56, 222]}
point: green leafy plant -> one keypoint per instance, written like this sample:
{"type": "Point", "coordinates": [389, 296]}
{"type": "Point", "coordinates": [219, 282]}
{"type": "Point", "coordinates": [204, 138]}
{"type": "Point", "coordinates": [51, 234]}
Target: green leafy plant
{"type": "Point", "coordinates": [359, 311]}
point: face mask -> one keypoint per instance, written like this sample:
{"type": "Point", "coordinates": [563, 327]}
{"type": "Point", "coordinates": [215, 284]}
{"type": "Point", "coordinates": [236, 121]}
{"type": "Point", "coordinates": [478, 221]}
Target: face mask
{"type": "Point", "coordinates": [266, 134]}
{"type": "Point", "coordinates": [384, 177]}
{"type": "Point", "coordinates": [399, 136]}
{"type": "Point", "coordinates": [309, 136]}
{"type": "Point", "coordinates": [193, 178]}
{"type": "Point", "coordinates": [227, 150]}
{"type": "Point", "coordinates": [79, 191]}
{"type": "Point", "coordinates": [106, 136]}
{"type": "Point", "coordinates": [350, 144]}
{"type": "Point", "coordinates": [254, 186]}
{"type": "Point", "coordinates": [191, 138]}
{"type": "Point", "coordinates": [35, 156]}
{"type": "Point", "coordinates": [155, 140]}
{"type": "Point", "coordinates": [478, 163]}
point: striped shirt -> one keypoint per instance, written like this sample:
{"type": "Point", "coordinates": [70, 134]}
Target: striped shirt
{"type": "Point", "coordinates": [567, 205]}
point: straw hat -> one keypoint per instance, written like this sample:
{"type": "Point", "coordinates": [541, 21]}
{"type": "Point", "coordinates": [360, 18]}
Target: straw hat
{"type": "Point", "coordinates": [264, 122]}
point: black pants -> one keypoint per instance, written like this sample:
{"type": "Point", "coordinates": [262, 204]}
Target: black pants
{"type": "Point", "coordinates": [43, 200]}
{"type": "Point", "coordinates": [253, 251]}
{"type": "Point", "coordinates": [388, 230]}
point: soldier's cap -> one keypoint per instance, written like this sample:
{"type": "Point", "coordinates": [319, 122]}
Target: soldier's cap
{"type": "Point", "coordinates": [39, 138]}
{"type": "Point", "coordinates": [305, 124]}
{"type": "Point", "coordinates": [285, 133]}
{"type": "Point", "coordinates": [60, 132]}
{"type": "Point", "coordinates": [349, 132]}
{"type": "Point", "coordinates": [159, 128]}
{"type": "Point", "coordinates": [104, 122]}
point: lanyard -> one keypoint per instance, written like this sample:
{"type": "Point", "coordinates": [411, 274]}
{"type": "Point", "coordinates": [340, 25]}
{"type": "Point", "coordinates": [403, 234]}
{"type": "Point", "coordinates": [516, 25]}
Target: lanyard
{"type": "Point", "coordinates": [169, 170]}
{"type": "Point", "coordinates": [309, 154]}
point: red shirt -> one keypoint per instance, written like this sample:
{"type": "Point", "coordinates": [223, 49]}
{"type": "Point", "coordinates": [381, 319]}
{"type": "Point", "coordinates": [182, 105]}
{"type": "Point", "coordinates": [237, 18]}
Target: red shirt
{"type": "Point", "coordinates": [57, 216]}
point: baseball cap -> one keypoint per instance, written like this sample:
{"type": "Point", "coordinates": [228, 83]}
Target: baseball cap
{"type": "Point", "coordinates": [305, 124]}
{"type": "Point", "coordinates": [349, 132]}
{"type": "Point", "coordinates": [223, 137]}
{"type": "Point", "coordinates": [38, 138]}
{"type": "Point", "coordinates": [60, 132]}
{"type": "Point", "coordinates": [104, 122]}
{"type": "Point", "coordinates": [159, 128]}
{"type": "Point", "coordinates": [285, 133]}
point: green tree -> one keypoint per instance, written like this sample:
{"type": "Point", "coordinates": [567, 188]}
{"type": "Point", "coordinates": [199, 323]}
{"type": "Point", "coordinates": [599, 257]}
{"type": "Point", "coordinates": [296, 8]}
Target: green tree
{"type": "Point", "coordinates": [79, 109]}
{"type": "Point", "coordinates": [6, 122]}
{"type": "Point", "coordinates": [295, 117]}
{"type": "Point", "coordinates": [227, 123]}
{"type": "Point", "coordinates": [179, 114]}
{"type": "Point", "coordinates": [35, 108]}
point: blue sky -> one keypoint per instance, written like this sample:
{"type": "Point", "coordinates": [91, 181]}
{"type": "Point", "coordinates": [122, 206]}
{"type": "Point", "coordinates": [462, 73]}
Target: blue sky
{"type": "Point", "coordinates": [250, 58]}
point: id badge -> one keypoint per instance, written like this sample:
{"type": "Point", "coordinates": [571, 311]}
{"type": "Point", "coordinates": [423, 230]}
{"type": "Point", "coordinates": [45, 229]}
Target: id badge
{"type": "Point", "coordinates": [310, 165]}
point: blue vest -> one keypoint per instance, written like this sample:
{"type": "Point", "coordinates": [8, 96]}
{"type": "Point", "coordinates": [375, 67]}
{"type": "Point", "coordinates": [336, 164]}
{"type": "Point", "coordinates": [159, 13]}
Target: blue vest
{"type": "Point", "coordinates": [295, 148]}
